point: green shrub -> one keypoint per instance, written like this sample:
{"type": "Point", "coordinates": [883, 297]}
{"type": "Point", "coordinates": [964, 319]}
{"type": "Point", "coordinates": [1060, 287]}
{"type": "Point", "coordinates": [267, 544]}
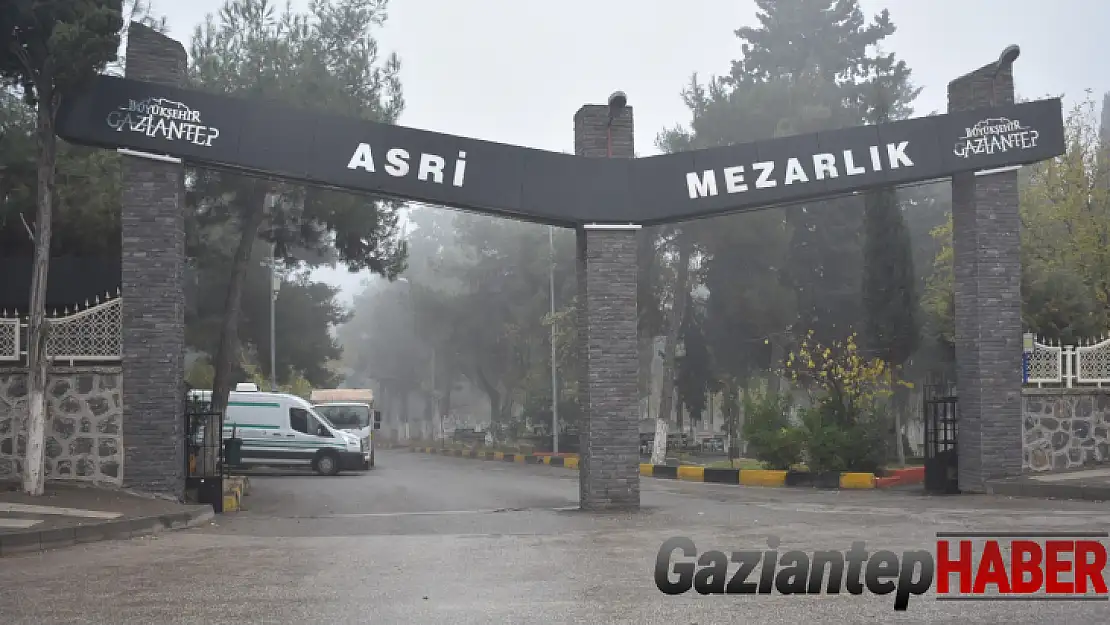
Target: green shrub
{"type": "Point", "coordinates": [771, 437]}
{"type": "Point", "coordinates": [835, 441]}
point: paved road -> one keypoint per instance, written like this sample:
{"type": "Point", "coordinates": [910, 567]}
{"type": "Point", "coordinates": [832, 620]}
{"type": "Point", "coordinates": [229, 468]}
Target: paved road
{"type": "Point", "coordinates": [426, 539]}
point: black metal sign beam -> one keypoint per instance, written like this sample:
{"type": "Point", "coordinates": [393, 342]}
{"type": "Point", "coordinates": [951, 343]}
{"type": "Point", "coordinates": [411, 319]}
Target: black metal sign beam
{"type": "Point", "coordinates": [549, 187]}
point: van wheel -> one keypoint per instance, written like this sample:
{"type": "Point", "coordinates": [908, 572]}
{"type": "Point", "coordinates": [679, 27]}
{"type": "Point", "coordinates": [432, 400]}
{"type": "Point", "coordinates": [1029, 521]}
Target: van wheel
{"type": "Point", "coordinates": [327, 463]}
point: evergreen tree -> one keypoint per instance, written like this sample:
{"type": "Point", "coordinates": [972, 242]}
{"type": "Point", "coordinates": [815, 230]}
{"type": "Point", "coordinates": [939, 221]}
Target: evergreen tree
{"type": "Point", "coordinates": [50, 49]}
{"type": "Point", "coordinates": [889, 290]}
{"type": "Point", "coordinates": [816, 64]}
{"type": "Point", "coordinates": [890, 296]}
{"type": "Point", "coordinates": [693, 378]}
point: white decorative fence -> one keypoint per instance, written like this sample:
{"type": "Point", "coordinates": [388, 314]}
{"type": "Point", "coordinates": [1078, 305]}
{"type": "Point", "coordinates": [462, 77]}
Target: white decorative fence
{"type": "Point", "coordinates": [1085, 364]}
{"type": "Point", "coordinates": [92, 333]}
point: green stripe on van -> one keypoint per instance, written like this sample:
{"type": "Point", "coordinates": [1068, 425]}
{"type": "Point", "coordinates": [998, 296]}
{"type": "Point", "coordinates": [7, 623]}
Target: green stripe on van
{"type": "Point", "coordinates": [261, 442]}
{"type": "Point", "coordinates": [255, 404]}
{"type": "Point", "coordinates": [251, 426]}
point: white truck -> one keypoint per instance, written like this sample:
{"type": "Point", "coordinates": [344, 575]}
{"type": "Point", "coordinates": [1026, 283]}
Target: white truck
{"type": "Point", "coordinates": [351, 410]}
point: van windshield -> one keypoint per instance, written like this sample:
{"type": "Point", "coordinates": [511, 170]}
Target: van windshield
{"type": "Point", "coordinates": [346, 417]}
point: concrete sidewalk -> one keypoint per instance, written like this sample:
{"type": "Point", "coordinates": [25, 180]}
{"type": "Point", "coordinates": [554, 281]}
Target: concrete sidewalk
{"type": "Point", "coordinates": [1083, 484]}
{"type": "Point", "coordinates": [68, 514]}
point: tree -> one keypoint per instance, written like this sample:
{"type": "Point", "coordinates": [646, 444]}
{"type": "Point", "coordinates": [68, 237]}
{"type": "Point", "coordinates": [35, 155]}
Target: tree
{"type": "Point", "coordinates": [326, 59]}
{"type": "Point", "coordinates": [1065, 241]}
{"type": "Point", "coordinates": [889, 289]}
{"type": "Point", "coordinates": [890, 302]}
{"type": "Point", "coordinates": [86, 207]}
{"type": "Point", "coordinates": [683, 249]}
{"type": "Point", "coordinates": [694, 379]}
{"type": "Point", "coordinates": [305, 312]}
{"type": "Point", "coordinates": [52, 50]}
{"type": "Point", "coordinates": [812, 65]}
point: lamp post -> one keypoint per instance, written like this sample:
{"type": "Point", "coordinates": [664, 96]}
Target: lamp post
{"type": "Point", "coordinates": [554, 372]}
{"type": "Point", "coordinates": [271, 204]}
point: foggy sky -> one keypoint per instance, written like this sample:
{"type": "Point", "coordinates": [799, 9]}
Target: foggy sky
{"type": "Point", "coordinates": [515, 71]}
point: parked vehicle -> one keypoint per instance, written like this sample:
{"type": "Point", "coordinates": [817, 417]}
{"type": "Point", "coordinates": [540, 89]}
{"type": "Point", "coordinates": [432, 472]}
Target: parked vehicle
{"type": "Point", "coordinates": [278, 429]}
{"type": "Point", "coordinates": [355, 418]}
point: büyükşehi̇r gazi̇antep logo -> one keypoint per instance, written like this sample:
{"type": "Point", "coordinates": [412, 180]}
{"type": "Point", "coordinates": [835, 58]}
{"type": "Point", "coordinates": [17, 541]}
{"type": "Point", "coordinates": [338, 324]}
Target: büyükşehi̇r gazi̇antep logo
{"type": "Point", "coordinates": [996, 135]}
{"type": "Point", "coordinates": [165, 119]}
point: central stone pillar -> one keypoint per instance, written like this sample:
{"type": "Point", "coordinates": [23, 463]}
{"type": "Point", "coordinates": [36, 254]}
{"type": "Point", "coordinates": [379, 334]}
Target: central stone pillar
{"type": "Point", "coordinates": [152, 214]}
{"type": "Point", "coordinates": [609, 468]}
{"type": "Point", "coordinates": [987, 261]}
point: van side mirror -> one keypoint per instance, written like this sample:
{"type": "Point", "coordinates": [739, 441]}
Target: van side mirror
{"type": "Point", "coordinates": [377, 419]}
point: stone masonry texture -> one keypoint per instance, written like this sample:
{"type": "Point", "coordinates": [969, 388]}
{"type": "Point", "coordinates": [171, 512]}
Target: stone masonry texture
{"type": "Point", "coordinates": [84, 415]}
{"type": "Point", "coordinates": [1065, 428]}
{"type": "Point", "coordinates": [153, 225]}
{"type": "Point", "coordinates": [986, 245]}
{"type": "Point", "coordinates": [609, 477]}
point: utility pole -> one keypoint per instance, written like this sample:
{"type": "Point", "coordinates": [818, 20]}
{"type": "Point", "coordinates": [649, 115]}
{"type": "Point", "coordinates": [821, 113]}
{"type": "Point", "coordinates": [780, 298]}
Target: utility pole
{"type": "Point", "coordinates": [554, 372]}
{"type": "Point", "coordinates": [271, 206]}
{"type": "Point", "coordinates": [273, 326]}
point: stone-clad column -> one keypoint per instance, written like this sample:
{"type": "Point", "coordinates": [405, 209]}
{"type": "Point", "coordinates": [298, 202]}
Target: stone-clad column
{"type": "Point", "coordinates": [609, 470]}
{"type": "Point", "coordinates": [987, 247]}
{"type": "Point", "coordinates": [153, 224]}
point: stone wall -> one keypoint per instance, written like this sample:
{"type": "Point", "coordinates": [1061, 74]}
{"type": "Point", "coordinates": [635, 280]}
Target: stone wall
{"type": "Point", "coordinates": [84, 429]}
{"type": "Point", "coordinates": [1065, 428]}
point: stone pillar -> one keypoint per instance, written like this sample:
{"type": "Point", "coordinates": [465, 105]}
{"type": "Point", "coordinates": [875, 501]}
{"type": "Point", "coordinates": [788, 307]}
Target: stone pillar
{"type": "Point", "coordinates": [609, 469]}
{"type": "Point", "coordinates": [987, 257]}
{"type": "Point", "coordinates": [153, 224]}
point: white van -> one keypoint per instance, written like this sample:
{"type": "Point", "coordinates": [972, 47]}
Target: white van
{"type": "Point", "coordinates": [356, 418]}
{"type": "Point", "coordinates": [278, 429]}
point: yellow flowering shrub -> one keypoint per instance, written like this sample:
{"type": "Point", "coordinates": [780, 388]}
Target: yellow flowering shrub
{"type": "Point", "coordinates": [840, 372]}
{"type": "Point", "coordinates": [844, 429]}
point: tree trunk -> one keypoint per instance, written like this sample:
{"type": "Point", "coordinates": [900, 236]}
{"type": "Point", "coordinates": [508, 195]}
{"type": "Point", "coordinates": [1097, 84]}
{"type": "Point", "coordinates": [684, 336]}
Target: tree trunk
{"type": "Point", "coordinates": [678, 310]}
{"type": "Point", "coordinates": [443, 409]}
{"type": "Point", "coordinates": [39, 326]}
{"type": "Point", "coordinates": [774, 379]}
{"type": "Point", "coordinates": [228, 351]}
{"type": "Point", "coordinates": [405, 393]}
{"type": "Point", "coordinates": [900, 404]}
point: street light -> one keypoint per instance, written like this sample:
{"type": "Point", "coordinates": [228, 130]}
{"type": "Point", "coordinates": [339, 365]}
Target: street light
{"type": "Point", "coordinates": [275, 283]}
{"type": "Point", "coordinates": [554, 372]}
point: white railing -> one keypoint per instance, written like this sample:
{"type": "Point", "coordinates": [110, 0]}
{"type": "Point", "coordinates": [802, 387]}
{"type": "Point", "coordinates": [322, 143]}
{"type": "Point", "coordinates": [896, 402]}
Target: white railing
{"type": "Point", "coordinates": [92, 333]}
{"type": "Point", "coordinates": [1087, 363]}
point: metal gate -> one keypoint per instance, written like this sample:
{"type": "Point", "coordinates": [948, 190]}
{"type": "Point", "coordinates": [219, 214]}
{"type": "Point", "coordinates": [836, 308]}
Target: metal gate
{"type": "Point", "coordinates": [941, 412]}
{"type": "Point", "coordinates": [204, 454]}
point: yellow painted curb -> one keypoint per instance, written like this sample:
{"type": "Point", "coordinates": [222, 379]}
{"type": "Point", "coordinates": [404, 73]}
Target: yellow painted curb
{"type": "Point", "coordinates": [857, 480]}
{"type": "Point", "coordinates": [498, 455]}
{"type": "Point", "coordinates": [762, 477]}
{"type": "Point", "coordinates": [647, 470]}
{"type": "Point", "coordinates": [231, 503]}
{"type": "Point", "coordinates": [546, 459]}
{"type": "Point", "coordinates": [518, 458]}
{"type": "Point", "coordinates": [691, 473]}
{"type": "Point", "coordinates": [570, 463]}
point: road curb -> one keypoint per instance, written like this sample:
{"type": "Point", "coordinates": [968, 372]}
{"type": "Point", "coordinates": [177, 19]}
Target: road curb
{"type": "Point", "coordinates": [691, 473]}
{"type": "Point", "coordinates": [30, 541]}
{"type": "Point", "coordinates": [1051, 490]}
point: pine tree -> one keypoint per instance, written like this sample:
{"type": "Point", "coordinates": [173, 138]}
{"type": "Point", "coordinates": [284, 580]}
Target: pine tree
{"type": "Point", "coordinates": [816, 62]}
